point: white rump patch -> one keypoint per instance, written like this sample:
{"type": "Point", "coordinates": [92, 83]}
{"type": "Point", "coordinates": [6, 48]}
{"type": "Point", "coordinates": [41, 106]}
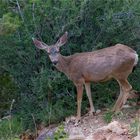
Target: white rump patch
{"type": "Point", "coordinates": [136, 59]}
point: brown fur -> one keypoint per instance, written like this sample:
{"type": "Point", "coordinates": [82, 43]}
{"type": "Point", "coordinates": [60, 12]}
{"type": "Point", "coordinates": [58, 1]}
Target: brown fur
{"type": "Point", "coordinates": [98, 66]}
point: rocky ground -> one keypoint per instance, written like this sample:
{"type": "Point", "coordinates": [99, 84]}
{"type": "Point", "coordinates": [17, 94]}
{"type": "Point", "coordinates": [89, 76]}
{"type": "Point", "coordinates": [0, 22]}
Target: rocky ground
{"type": "Point", "coordinates": [123, 126]}
{"type": "Point", "coordinates": [105, 125]}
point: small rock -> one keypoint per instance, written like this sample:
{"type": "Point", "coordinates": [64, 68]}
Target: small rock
{"type": "Point", "coordinates": [96, 121]}
{"type": "Point", "coordinates": [76, 137]}
{"type": "Point", "coordinates": [76, 134]}
{"type": "Point", "coordinates": [137, 137]}
{"type": "Point", "coordinates": [126, 106]}
{"type": "Point", "coordinates": [70, 119]}
{"type": "Point", "coordinates": [98, 111]}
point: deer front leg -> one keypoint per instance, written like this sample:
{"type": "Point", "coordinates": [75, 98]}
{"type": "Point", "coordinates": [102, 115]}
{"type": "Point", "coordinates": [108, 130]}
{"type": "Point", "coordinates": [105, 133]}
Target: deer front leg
{"type": "Point", "coordinates": [88, 92]}
{"type": "Point", "coordinates": [79, 88]}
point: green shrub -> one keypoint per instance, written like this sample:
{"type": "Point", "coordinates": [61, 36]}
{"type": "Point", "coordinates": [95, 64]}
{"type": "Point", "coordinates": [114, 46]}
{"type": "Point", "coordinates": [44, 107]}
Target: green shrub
{"type": "Point", "coordinates": [10, 128]}
{"type": "Point", "coordinates": [108, 116]}
{"type": "Point", "coordinates": [91, 24]}
{"type": "Point", "coordinates": [8, 92]}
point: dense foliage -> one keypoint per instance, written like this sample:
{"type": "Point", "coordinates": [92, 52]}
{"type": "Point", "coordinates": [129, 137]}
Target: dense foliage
{"type": "Point", "coordinates": [26, 73]}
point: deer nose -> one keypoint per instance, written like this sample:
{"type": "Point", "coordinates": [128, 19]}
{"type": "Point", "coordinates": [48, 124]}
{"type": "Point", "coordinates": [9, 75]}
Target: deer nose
{"type": "Point", "coordinates": [55, 62]}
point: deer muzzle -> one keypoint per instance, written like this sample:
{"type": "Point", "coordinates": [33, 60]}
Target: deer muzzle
{"type": "Point", "coordinates": [55, 62]}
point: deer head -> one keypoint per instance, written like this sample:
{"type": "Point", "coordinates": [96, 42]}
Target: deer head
{"type": "Point", "coordinates": [52, 50]}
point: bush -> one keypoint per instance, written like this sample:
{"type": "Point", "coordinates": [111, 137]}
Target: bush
{"type": "Point", "coordinates": [91, 24]}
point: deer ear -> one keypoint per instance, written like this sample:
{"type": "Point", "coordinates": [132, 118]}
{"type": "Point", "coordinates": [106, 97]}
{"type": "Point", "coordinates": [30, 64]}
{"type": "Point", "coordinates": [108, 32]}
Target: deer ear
{"type": "Point", "coordinates": [39, 44]}
{"type": "Point", "coordinates": [62, 40]}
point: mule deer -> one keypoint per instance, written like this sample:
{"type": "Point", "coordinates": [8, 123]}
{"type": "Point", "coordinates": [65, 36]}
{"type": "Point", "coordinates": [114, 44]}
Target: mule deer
{"type": "Point", "coordinates": [98, 66]}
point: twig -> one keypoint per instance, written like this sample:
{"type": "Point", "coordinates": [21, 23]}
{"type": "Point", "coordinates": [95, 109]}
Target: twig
{"type": "Point", "coordinates": [35, 125]}
{"type": "Point", "coordinates": [22, 17]}
{"type": "Point", "coordinates": [34, 21]}
{"type": "Point", "coordinates": [9, 119]}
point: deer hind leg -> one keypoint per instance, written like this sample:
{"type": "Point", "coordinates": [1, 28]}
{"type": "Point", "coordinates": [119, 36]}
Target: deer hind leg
{"type": "Point", "coordinates": [79, 88]}
{"type": "Point", "coordinates": [117, 104]}
{"type": "Point", "coordinates": [88, 92]}
{"type": "Point", "coordinates": [125, 88]}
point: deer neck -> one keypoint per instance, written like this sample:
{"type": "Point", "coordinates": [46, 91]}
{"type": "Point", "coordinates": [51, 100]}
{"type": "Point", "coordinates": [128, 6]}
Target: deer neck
{"type": "Point", "coordinates": [63, 64]}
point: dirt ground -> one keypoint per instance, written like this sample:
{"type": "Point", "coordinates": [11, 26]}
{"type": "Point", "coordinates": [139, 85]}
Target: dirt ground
{"type": "Point", "coordinates": [89, 125]}
{"type": "Point", "coordinates": [104, 125]}
{"type": "Point", "coordinates": [123, 126]}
